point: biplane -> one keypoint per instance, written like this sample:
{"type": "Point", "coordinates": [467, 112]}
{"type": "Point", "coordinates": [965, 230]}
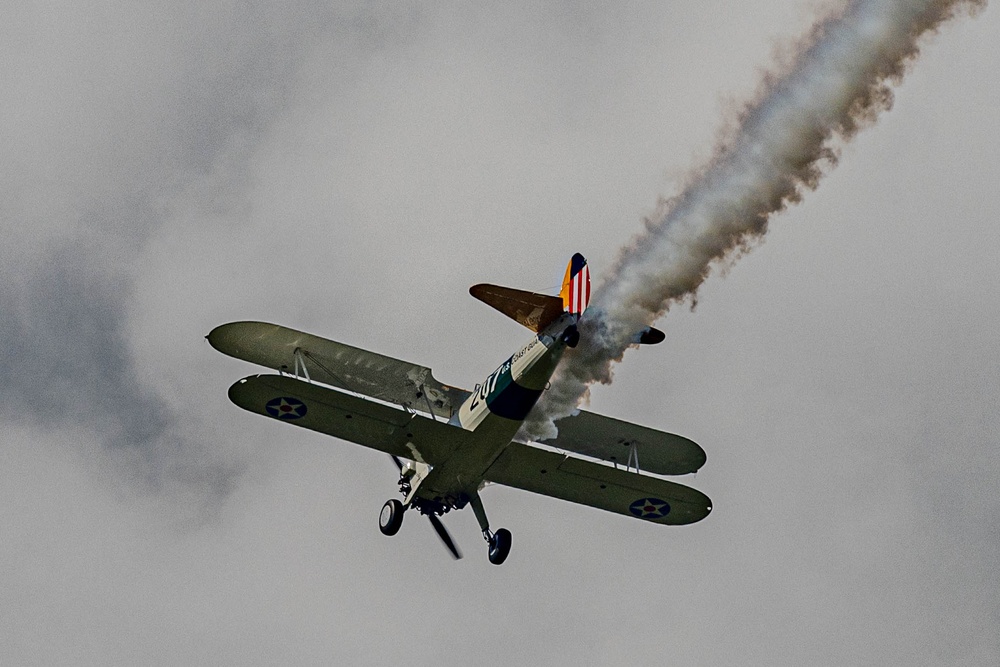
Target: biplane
{"type": "Point", "coordinates": [448, 443]}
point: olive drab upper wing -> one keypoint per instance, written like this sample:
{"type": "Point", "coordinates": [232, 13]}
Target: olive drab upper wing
{"type": "Point", "coordinates": [339, 365]}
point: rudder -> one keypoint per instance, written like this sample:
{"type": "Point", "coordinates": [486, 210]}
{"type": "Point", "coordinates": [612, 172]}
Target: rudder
{"type": "Point", "coordinates": [575, 292]}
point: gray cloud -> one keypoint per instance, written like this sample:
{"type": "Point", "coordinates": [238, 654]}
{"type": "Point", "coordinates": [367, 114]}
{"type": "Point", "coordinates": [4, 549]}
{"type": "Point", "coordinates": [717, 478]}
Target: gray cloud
{"type": "Point", "coordinates": [140, 113]}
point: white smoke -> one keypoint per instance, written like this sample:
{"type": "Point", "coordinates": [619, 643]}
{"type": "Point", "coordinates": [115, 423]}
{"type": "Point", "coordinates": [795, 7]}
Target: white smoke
{"type": "Point", "coordinates": [836, 82]}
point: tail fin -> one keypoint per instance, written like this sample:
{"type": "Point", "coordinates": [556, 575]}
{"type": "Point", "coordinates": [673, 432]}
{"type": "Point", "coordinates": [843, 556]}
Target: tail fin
{"type": "Point", "coordinates": [576, 286]}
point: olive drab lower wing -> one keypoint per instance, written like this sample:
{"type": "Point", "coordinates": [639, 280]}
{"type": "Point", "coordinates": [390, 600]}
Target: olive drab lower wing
{"type": "Point", "coordinates": [598, 485]}
{"type": "Point", "coordinates": [304, 355]}
{"type": "Point", "coordinates": [624, 443]}
{"type": "Point", "coordinates": [352, 418]}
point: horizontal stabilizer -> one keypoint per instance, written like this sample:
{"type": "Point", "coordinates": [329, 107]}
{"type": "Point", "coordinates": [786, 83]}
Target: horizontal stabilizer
{"type": "Point", "coordinates": [535, 311]}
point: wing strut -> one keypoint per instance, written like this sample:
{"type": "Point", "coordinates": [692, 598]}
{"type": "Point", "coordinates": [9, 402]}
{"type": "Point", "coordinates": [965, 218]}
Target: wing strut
{"type": "Point", "coordinates": [300, 362]}
{"type": "Point", "coordinates": [427, 399]}
{"type": "Point", "coordinates": [633, 456]}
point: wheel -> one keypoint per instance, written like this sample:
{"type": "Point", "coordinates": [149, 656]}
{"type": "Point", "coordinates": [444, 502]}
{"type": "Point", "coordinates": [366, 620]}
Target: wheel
{"type": "Point", "coordinates": [571, 336]}
{"type": "Point", "coordinates": [499, 546]}
{"type": "Point", "coordinates": [391, 517]}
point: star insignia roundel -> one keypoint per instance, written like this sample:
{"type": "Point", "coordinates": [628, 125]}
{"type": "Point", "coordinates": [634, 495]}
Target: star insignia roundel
{"type": "Point", "coordinates": [285, 407]}
{"type": "Point", "coordinates": [650, 508]}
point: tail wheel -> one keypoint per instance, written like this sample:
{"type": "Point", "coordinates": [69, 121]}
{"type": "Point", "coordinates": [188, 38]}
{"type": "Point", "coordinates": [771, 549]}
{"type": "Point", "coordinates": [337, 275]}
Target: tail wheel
{"type": "Point", "coordinates": [391, 517]}
{"type": "Point", "coordinates": [571, 336]}
{"type": "Point", "coordinates": [499, 546]}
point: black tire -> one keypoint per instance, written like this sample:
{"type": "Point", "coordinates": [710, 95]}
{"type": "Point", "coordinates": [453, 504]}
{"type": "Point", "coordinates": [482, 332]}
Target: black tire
{"type": "Point", "coordinates": [500, 546]}
{"type": "Point", "coordinates": [391, 517]}
{"type": "Point", "coordinates": [571, 336]}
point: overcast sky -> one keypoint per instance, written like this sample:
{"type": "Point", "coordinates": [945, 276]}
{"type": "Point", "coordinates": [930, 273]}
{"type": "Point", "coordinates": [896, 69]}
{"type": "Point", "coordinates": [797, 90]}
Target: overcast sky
{"type": "Point", "coordinates": [351, 171]}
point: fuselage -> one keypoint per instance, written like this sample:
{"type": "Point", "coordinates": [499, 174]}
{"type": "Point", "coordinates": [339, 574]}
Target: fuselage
{"type": "Point", "coordinates": [495, 411]}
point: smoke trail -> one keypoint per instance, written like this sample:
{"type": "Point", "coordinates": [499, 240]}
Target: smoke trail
{"type": "Point", "coordinates": [837, 82]}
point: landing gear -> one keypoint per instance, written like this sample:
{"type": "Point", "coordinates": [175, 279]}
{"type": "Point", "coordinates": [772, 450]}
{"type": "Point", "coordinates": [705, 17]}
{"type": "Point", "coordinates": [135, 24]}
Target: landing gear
{"type": "Point", "coordinates": [499, 546]}
{"type": "Point", "coordinates": [571, 336]}
{"type": "Point", "coordinates": [498, 542]}
{"type": "Point", "coordinates": [391, 517]}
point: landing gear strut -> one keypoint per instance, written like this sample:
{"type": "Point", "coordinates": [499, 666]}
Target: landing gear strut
{"type": "Point", "coordinates": [391, 517]}
{"type": "Point", "coordinates": [498, 542]}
